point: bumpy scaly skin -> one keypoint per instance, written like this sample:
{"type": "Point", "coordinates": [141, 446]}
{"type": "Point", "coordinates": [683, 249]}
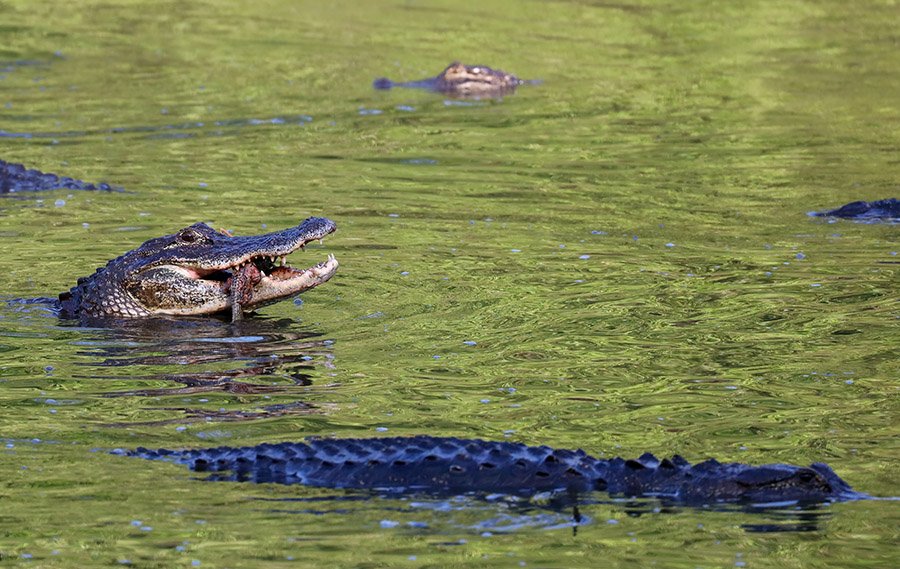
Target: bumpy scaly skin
{"type": "Point", "coordinates": [16, 178]}
{"type": "Point", "coordinates": [192, 272]}
{"type": "Point", "coordinates": [888, 209]}
{"type": "Point", "coordinates": [451, 465]}
{"type": "Point", "coordinates": [465, 81]}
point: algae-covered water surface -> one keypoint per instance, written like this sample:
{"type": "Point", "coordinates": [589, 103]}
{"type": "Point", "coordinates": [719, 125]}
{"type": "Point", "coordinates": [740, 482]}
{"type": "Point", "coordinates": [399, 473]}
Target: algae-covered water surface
{"type": "Point", "coordinates": [617, 259]}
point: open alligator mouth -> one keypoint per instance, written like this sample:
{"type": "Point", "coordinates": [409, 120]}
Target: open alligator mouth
{"type": "Point", "coordinates": [260, 280]}
{"type": "Point", "coordinates": [205, 271]}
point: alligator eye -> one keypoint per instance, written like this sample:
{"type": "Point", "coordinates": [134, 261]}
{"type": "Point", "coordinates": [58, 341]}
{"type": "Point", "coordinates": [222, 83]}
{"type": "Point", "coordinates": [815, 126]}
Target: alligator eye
{"type": "Point", "coordinates": [806, 476]}
{"type": "Point", "coordinates": [189, 236]}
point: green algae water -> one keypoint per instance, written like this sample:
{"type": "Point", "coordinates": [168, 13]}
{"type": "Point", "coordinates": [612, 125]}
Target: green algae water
{"type": "Point", "coordinates": [618, 259]}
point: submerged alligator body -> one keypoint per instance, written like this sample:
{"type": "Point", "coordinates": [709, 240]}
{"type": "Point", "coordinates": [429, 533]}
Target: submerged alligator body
{"type": "Point", "coordinates": [16, 178]}
{"type": "Point", "coordinates": [200, 271]}
{"type": "Point", "coordinates": [888, 209]}
{"type": "Point", "coordinates": [433, 465]}
{"type": "Point", "coordinates": [463, 81]}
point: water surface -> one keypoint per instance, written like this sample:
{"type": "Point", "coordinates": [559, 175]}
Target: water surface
{"type": "Point", "coordinates": [618, 259]}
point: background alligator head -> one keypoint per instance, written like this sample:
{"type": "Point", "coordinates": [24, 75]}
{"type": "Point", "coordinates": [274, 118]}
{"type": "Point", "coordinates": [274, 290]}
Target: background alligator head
{"type": "Point", "coordinates": [463, 81]}
{"type": "Point", "coordinates": [199, 270]}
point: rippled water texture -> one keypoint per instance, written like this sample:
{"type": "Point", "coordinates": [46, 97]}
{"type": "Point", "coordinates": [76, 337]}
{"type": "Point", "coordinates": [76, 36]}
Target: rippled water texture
{"type": "Point", "coordinates": [618, 259]}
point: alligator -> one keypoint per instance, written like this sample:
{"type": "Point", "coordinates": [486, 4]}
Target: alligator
{"type": "Point", "coordinates": [463, 81]}
{"type": "Point", "coordinates": [435, 465]}
{"type": "Point", "coordinates": [888, 209]}
{"type": "Point", "coordinates": [198, 271]}
{"type": "Point", "coordinates": [17, 178]}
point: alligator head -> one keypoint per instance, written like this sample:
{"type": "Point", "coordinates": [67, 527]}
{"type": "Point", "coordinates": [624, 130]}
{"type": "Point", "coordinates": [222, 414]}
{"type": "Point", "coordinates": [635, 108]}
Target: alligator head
{"type": "Point", "coordinates": [463, 81]}
{"type": "Point", "coordinates": [199, 270]}
{"type": "Point", "coordinates": [476, 80]}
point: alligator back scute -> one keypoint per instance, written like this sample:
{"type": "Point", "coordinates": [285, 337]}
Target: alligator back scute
{"type": "Point", "coordinates": [17, 178]}
{"type": "Point", "coordinates": [447, 464]}
{"type": "Point", "coordinates": [648, 460]}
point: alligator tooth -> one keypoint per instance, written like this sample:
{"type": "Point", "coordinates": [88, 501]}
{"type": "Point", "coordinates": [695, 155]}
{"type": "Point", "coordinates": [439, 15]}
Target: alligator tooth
{"type": "Point", "coordinates": [320, 241]}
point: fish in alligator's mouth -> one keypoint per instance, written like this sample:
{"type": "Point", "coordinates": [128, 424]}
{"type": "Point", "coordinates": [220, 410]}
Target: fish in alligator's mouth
{"type": "Point", "coordinates": [262, 280]}
{"type": "Point", "coordinates": [199, 270]}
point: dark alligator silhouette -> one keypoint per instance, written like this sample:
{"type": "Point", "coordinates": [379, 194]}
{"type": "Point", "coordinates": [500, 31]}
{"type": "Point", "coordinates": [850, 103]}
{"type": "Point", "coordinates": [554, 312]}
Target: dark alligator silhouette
{"type": "Point", "coordinates": [199, 270]}
{"type": "Point", "coordinates": [17, 178]}
{"type": "Point", "coordinates": [887, 209]}
{"type": "Point", "coordinates": [463, 81]}
{"type": "Point", "coordinates": [434, 465]}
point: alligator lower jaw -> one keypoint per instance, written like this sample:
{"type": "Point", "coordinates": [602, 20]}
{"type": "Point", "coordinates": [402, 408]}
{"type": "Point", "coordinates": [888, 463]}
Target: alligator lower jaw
{"type": "Point", "coordinates": [213, 289]}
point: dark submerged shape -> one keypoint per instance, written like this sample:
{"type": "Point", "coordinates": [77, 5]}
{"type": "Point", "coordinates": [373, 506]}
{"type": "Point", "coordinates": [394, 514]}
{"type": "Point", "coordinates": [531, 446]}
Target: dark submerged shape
{"type": "Point", "coordinates": [16, 178]}
{"type": "Point", "coordinates": [200, 271]}
{"type": "Point", "coordinates": [464, 81]}
{"type": "Point", "coordinates": [447, 465]}
{"type": "Point", "coordinates": [888, 209]}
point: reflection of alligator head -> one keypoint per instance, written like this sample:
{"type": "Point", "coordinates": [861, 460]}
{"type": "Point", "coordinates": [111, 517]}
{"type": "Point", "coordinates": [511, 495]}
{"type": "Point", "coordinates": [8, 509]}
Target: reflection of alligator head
{"type": "Point", "coordinates": [260, 368]}
{"type": "Point", "coordinates": [200, 271]}
{"type": "Point", "coordinates": [441, 465]}
{"type": "Point", "coordinates": [888, 210]}
{"type": "Point", "coordinates": [204, 355]}
{"type": "Point", "coordinates": [463, 81]}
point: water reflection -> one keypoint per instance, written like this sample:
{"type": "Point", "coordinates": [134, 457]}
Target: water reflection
{"type": "Point", "coordinates": [509, 514]}
{"type": "Point", "coordinates": [201, 356]}
{"type": "Point", "coordinates": [788, 517]}
{"type": "Point", "coordinates": [220, 127]}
